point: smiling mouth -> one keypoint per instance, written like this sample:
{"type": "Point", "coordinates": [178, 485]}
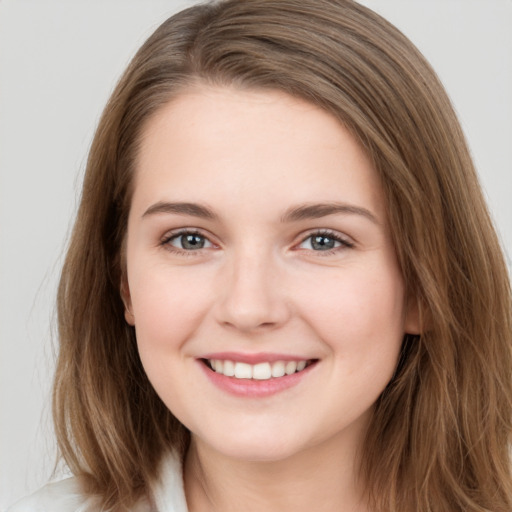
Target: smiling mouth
{"type": "Point", "coordinates": [259, 371]}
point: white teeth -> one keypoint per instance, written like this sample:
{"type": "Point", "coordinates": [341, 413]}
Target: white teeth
{"type": "Point", "coordinates": [291, 367]}
{"type": "Point", "coordinates": [229, 368]}
{"type": "Point", "coordinates": [243, 371]}
{"type": "Point", "coordinates": [278, 369]}
{"type": "Point", "coordinates": [260, 371]}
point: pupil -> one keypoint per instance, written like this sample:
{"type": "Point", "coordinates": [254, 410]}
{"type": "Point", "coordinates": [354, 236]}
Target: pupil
{"type": "Point", "coordinates": [322, 243]}
{"type": "Point", "coordinates": [192, 242]}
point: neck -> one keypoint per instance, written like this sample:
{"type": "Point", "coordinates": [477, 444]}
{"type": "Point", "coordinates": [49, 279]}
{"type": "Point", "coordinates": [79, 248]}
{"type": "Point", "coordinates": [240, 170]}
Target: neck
{"type": "Point", "coordinates": [322, 478]}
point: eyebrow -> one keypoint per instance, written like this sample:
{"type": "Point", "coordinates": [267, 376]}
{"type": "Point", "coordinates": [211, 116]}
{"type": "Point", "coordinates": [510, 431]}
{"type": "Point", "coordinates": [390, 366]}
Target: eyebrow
{"type": "Point", "coordinates": [295, 214]}
{"type": "Point", "coordinates": [316, 211]}
{"type": "Point", "coordinates": [192, 209]}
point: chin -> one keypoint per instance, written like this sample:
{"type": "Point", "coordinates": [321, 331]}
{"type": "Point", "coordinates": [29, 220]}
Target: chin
{"type": "Point", "coordinates": [253, 448]}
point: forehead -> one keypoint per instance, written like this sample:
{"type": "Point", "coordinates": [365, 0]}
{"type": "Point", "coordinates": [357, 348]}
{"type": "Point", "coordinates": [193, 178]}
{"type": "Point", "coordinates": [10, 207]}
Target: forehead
{"type": "Point", "coordinates": [233, 143]}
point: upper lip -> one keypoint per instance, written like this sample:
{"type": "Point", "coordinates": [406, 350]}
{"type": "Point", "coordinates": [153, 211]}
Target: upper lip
{"type": "Point", "coordinates": [261, 357]}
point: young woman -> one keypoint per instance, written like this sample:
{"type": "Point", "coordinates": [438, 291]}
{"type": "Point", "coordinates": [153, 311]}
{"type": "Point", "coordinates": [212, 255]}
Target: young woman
{"type": "Point", "coordinates": [283, 290]}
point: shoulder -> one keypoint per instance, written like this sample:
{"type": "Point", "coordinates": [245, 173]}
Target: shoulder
{"type": "Point", "coordinates": [63, 496]}
{"type": "Point", "coordinates": [68, 495]}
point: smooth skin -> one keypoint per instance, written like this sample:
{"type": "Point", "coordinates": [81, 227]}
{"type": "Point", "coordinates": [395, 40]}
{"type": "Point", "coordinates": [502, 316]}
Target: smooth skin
{"type": "Point", "coordinates": [258, 225]}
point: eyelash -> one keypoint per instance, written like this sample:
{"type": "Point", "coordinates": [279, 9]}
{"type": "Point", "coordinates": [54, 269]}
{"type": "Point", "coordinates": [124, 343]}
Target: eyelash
{"type": "Point", "coordinates": [166, 242]}
{"type": "Point", "coordinates": [332, 235]}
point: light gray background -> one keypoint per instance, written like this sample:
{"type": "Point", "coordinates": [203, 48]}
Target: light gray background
{"type": "Point", "coordinates": [58, 63]}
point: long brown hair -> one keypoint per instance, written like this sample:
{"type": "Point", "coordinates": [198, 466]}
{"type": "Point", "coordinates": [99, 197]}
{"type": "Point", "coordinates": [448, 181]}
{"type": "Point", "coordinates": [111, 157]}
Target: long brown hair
{"type": "Point", "coordinates": [440, 434]}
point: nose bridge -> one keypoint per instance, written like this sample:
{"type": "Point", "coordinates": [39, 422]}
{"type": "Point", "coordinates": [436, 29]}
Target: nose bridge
{"type": "Point", "coordinates": [252, 296]}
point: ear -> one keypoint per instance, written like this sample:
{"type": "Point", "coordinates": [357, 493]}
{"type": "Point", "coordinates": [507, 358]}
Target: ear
{"type": "Point", "coordinates": [413, 322]}
{"type": "Point", "coordinates": [127, 301]}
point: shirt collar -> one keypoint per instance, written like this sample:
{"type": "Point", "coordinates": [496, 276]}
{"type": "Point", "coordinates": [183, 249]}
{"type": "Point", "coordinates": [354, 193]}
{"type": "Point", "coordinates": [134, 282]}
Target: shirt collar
{"type": "Point", "coordinates": [168, 491]}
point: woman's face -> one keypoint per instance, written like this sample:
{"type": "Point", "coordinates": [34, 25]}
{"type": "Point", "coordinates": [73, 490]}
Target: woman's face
{"type": "Point", "coordinates": [261, 278]}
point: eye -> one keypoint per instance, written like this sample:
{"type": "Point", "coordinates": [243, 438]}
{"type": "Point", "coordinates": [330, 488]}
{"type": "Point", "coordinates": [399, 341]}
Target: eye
{"type": "Point", "coordinates": [187, 241]}
{"type": "Point", "coordinates": [324, 241]}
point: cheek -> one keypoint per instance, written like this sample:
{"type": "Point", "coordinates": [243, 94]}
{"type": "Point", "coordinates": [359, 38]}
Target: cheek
{"type": "Point", "coordinates": [168, 309]}
{"type": "Point", "coordinates": [167, 306]}
{"type": "Point", "coordinates": [359, 318]}
{"type": "Point", "coordinates": [358, 312]}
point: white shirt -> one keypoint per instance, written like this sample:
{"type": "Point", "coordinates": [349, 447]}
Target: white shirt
{"type": "Point", "coordinates": [168, 495]}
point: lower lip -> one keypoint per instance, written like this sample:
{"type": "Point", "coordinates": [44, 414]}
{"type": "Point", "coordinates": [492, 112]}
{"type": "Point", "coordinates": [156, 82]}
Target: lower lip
{"type": "Point", "coordinates": [254, 388]}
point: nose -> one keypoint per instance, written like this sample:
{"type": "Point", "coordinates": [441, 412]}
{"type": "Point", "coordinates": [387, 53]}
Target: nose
{"type": "Point", "coordinates": [251, 294]}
